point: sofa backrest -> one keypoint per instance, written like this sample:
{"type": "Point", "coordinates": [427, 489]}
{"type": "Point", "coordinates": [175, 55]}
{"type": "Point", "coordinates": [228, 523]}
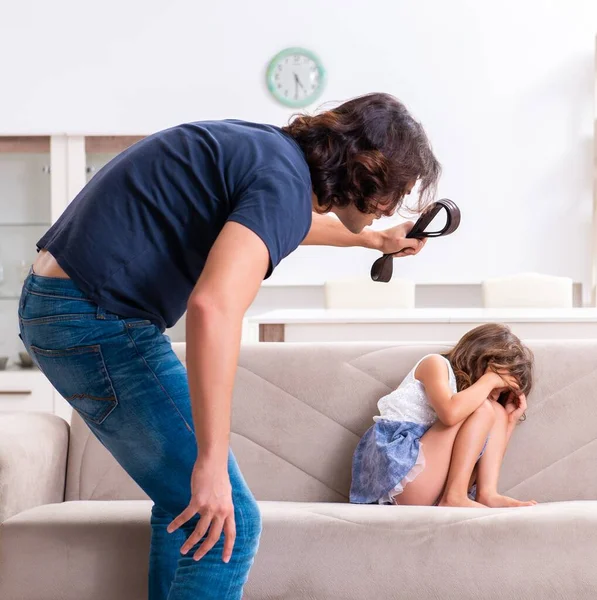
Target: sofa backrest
{"type": "Point", "coordinates": [299, 411]}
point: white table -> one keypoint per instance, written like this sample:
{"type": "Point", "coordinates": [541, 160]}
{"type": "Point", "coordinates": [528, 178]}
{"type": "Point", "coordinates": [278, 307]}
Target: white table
{"type": "Point", "coordinates": [420, 324]}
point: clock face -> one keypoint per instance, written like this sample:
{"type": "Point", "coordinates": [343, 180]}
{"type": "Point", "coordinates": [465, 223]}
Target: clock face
{"type": "Point", "coordinates": [295, 77]}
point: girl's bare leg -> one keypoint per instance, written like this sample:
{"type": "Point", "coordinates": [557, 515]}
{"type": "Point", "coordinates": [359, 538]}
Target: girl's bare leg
{"type": "Point", "coordinates": [467, 447]}
{"type": "Point", "coordinates": [438, 445]}
{"type": "Point", "coordinates": [488, 470]}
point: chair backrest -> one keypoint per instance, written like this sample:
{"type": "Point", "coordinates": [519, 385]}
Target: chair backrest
{"type": "Point", "coordinates": [528, 290]}
{"type": "Point", "coordinates": [299, 411]}
{"type": "Point", "coordinates": [366, 293]}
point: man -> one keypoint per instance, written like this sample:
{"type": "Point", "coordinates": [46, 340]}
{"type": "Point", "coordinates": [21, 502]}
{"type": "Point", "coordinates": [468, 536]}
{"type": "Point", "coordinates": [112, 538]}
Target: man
{"type": "Point", "coordinates": [192, 219]}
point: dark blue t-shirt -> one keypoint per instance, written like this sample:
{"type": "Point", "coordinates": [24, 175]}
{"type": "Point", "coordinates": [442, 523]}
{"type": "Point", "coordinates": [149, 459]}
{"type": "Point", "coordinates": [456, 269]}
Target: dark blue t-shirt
{"type": "Point", "coordinates": [136, 238]}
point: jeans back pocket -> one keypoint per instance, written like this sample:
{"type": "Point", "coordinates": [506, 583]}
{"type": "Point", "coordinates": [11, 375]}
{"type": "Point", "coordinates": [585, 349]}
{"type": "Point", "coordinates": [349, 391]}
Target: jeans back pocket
{"type": "Point", "coordinates": [80, 376]}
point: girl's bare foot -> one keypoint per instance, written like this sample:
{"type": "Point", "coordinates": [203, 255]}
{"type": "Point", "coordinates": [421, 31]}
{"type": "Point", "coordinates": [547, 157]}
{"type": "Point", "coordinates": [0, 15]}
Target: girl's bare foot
{"type": "Point", "coordinates": [499, 501]}
{"type": "Point", "coordinates": [457, 500]}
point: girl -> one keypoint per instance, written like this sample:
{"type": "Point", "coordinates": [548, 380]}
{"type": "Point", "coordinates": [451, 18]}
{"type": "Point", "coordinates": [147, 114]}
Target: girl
{"type": "Point", "coordinates": [447, 424]}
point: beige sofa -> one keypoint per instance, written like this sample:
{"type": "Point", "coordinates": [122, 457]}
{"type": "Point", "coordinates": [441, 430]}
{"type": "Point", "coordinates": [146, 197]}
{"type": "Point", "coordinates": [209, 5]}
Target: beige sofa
{"type": "Point", "coordinates": [75, 527]}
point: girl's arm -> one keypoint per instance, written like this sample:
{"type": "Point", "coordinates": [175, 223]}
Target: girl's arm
{"type": "Point", "coordinates": [452, 408]}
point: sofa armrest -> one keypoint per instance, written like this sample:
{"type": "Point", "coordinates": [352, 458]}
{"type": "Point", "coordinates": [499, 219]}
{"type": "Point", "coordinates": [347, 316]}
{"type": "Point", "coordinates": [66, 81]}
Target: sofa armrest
{"type": "Point", "coordinates": [33, 452]}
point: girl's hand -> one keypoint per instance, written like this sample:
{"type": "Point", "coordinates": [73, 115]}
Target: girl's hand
{"type": "Point", "coordinates": [503, 379]}
{"type": "Point", "coordinates": [393, 240]}
{"type": "Point", "coordinates": [211, 497]}
{"type": "Point", "coordinates": [516, 407]}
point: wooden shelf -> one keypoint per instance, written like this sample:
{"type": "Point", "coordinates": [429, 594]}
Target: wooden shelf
{"type": "Point", "coordinates": [28, 143]}
{"type": "Point", "coordinates": [96, 144]}
{"type": "Point", "coordinates": [24, 224]}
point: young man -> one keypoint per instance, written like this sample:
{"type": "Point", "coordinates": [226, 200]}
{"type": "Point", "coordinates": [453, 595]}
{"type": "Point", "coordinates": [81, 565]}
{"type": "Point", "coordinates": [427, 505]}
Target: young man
{"type": "Point", "coordinates": [192, 219]}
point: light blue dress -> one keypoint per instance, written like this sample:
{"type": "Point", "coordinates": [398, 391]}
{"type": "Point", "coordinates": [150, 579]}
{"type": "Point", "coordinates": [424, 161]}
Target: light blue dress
{"type": "Point", "coordinates": [390, 454]}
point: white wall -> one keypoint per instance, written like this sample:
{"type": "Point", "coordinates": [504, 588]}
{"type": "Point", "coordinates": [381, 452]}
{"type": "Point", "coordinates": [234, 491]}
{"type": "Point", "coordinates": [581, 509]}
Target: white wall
{"type": "Point", "coordinates": [505, 91]}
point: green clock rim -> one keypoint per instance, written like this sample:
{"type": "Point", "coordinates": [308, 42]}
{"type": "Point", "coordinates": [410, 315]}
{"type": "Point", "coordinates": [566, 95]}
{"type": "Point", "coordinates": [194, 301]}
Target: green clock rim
{"type": "Point", "coordinates": [283, 54]}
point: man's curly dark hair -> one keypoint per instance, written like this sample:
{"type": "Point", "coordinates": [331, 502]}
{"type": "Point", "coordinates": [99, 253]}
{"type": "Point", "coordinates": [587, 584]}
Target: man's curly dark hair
{"type": "Point", "coordinates": [366, 151]}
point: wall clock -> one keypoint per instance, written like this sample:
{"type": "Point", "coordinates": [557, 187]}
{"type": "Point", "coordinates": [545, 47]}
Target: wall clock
{"type": "Point", "coordinates": [295, 77]}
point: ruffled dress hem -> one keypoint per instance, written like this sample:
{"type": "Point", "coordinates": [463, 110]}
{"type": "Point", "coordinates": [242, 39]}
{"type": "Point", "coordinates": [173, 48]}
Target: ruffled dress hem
{"type": "Point", "coordinates": [417, 469]}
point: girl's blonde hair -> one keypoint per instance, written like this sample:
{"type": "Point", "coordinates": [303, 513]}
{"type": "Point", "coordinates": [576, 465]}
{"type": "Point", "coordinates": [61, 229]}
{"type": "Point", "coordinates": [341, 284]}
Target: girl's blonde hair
{"type": "Point", "coordinates": [491, 346]}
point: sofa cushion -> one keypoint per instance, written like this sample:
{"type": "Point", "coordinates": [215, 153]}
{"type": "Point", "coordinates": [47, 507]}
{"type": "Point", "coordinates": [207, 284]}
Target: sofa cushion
{"type": "Point", "coordinates": [75, 551]}
{"type": "Point", "coordinates": [322, 551]}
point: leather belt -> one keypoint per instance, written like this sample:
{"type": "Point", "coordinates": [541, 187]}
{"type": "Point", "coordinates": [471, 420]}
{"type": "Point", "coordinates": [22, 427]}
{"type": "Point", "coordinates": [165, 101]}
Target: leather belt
{"type": "Point", "coordinates": [382, 268]}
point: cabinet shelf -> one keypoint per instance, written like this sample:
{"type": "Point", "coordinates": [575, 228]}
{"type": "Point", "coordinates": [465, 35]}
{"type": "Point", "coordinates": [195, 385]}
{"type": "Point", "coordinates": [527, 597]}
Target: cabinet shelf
{"type": "Point", "coordinates": [24, 224]}
{"type": "Point", "coordinates": [113, 144]}
{"type": "Point", "coordinates": [26, 143]}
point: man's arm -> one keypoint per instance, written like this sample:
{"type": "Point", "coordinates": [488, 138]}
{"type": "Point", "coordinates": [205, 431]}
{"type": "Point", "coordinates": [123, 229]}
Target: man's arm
{"type": "Point", "coordinates": [326, 230]}
{"type": "Point", "coordinates": [234, 270]}
{"type": "Point", "coordinates": [235, 267]}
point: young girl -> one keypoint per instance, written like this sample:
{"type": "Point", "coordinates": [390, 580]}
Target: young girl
{"type": "Point", "coordinates": [447, 425]}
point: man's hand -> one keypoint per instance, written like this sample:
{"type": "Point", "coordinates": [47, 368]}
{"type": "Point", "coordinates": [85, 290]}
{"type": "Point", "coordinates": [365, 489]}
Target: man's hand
{"type": "Point", "coordinates": [211, 497]}
{"type": "Point", "coordinates": [394, 240]}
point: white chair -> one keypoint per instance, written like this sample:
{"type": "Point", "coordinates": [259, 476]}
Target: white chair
{"type": "Point", "coordinates": [365, 293]}
{"type": "Point", "coordinates": [528, 290]}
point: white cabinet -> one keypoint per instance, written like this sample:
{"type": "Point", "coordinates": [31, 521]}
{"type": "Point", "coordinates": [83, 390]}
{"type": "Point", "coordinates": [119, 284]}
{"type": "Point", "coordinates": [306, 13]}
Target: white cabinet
{"type": "Point", "coordinates": [26, 212]}
{"type": "Point", "coordinates": [39, 176]}
{"type": "Point", "coordinates": [25, 207]}
{"type": "Point", "coordinates": [25, 390]}
{"type": "Point", "coordinates": [101, 149]}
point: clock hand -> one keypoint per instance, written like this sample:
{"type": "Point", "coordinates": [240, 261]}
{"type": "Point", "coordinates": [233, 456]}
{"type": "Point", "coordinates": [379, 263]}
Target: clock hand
{"type": "Point", "coordinates": [298, 81]}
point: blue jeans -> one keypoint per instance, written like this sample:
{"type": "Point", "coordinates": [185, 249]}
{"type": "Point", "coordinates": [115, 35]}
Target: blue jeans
{"type": "Point", "coordinates": [122, 376]}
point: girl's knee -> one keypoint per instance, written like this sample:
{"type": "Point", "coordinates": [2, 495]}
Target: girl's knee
{"type": "Point", "coordinates": [500, 412]}
{"type": "Point", "coordinates": [486, 411]}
